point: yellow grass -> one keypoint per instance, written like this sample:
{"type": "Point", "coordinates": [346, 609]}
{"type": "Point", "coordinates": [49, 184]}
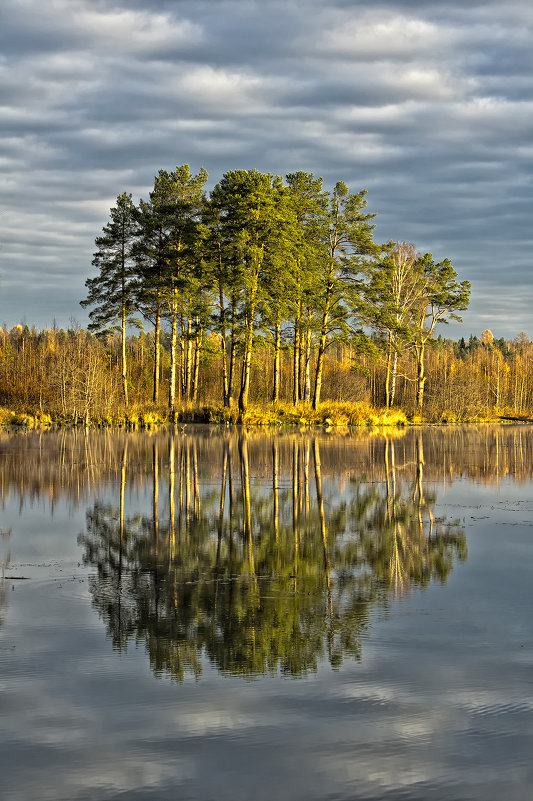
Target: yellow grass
{"type": "Point", "coordinates": [37, 420]}
{"type": "Point", "coordinates": [329, 414]}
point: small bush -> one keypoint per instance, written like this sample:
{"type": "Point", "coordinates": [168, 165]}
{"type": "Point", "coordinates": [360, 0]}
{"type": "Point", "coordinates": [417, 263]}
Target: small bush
{"type": "Point", "coordinates": [448, 417]}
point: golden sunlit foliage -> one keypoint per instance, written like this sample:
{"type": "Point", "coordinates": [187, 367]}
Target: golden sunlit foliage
{"type": "Point", "coordinates": [74, 376]}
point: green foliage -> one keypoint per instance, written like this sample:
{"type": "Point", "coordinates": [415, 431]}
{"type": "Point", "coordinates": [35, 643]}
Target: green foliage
{"type": "Point", "coordinates": [266, 289]}
{"type": "Point", "coordinates": [112, 291]}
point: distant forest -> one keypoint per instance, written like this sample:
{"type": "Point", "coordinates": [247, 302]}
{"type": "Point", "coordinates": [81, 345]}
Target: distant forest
{"type": "Point", "coordinates": [264, 291]}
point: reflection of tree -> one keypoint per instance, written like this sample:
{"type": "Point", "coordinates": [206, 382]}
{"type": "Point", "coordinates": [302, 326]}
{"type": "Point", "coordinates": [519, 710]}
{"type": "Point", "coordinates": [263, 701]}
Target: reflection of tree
{"type": "Point", "coordinates": [71, 464]}
{"type": "Point", "coordinates": [403, 540]}
{"type": "Point", "coordinates": [262, 576]}
{"type": "Point", "coordinates": [4, 564]}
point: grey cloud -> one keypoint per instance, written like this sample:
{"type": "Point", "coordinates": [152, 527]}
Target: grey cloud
{"type": "Point", "coordinates": [437, 127]}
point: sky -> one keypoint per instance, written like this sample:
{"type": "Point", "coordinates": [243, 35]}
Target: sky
{"type": "Point", "coordinates": [426, 104]}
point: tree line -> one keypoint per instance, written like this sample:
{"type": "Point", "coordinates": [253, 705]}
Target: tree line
{"type": "Point", "coordinates": [262, 266]}
{"type": "Point", "coordinates": [74, 373]}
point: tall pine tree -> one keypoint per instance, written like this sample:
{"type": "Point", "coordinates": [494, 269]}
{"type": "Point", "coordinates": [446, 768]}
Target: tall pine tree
{"type": "Point", "coordinates": [112, 291]}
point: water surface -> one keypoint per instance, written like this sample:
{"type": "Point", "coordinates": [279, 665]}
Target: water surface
{"type": "Point", "coordinates": [212, 615]}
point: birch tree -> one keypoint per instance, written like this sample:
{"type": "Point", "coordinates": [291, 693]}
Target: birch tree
{"type": "Point", "coordinates": [392, 291]}
{"type": "Point", "coordinates": [441, 296]}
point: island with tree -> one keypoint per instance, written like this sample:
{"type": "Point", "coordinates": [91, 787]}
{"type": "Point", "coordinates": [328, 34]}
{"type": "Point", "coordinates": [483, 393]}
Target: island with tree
{"type": "Point", "coordinates": [263, 300]}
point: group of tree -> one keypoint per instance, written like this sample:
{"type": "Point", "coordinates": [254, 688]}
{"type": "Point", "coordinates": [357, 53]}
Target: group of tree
{"type": "Point", "coordinates": [261, 262]}
{"type": "Point", "coordinates": [75, 374]}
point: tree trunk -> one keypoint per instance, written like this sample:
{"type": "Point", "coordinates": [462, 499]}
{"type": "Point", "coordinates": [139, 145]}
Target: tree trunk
{"type": "Point", "coordinates": [394, 373]}
{"type": "Point", "coordinates": [233, 348]}
{"type": "Point", "coordinates": [307, 367]}
{"type": "Point", "coordinates": [182, 359]}
{"type": "Point", "coordinates": [188, 362]}
{"type": "Point", "coordinates": [322, 345]}
{"type": "Point", "coordinates": [223, 356]}
{"type": "Point", "coordinates": [296, 356]}
{"type": "Point", "coordinates": [247, 359]}
{"type": "Point", "coordinates": [196, 371]}
{"type": "Point", "coordinates": [173, 359]}
{"type": "Point", "coordinates": [388, 374]}
{"type": "Point", "coordinates": [320, 364]}
{"type": "Point", "coordinates": [420, 377]}
{"type": "Point", "coordinates": [157, 332]}
{"type": "Point", "coordinates": [223, 348]}
{"type": "Point", "coordinates": [277, 350]}
{"type": "Point", "coordinates": [123, 357]}
{"type": "Point", "coordinates": [231, 372]}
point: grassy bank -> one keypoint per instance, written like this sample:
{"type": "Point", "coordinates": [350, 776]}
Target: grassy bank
{"type": "Point", "coordinates": [328, 414]}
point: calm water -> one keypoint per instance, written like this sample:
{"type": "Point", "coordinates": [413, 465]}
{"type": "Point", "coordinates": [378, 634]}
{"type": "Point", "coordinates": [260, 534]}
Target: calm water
{"type": "Point", "coordinates": [208, 615]}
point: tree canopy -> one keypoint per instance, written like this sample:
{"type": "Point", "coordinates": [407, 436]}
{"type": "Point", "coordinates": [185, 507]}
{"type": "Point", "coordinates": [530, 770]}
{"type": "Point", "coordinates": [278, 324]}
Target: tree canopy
{"type": "Point", "coordinates": [257, 260]}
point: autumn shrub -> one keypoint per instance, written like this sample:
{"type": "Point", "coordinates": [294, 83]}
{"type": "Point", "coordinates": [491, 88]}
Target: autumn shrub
{"type": "Point", "coordinates": [43, 419]}
{"type": "Point", "coordinates": [448, 417]}
{"type": "Point", "coordinates": [261, 416]}
{"type": "Point", "coordinates": [416, 418]}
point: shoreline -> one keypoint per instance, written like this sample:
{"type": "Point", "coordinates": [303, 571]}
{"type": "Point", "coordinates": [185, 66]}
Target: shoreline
{"type": "Point", "coordinates": [328, 415]}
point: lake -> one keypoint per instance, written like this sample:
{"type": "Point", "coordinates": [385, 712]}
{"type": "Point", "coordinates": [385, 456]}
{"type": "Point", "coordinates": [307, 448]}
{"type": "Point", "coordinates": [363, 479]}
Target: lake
{"type": "Point", "coordinates": [236, 615]}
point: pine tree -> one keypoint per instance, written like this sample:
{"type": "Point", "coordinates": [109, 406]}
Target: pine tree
{"type": "Point", "coordinates": [246, 201]}
{"type": "Point", "coordinates": [112, 291]}
{"type": "Point", "coordinates": [168, 259]}
{"type": "Point", "coordinates": [309, 206]}
{"type": "Point", "coordinates": [347, 237]}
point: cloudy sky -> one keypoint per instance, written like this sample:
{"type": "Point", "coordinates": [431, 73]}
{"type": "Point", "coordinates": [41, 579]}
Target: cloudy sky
{"type": "Point", "coordinates": [428, 105]}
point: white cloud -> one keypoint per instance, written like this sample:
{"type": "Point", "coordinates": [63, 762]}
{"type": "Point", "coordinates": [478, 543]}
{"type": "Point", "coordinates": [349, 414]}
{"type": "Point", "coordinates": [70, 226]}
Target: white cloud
{"type": "Point", "coordinates": [235, 91]}
{"type": "Point", "coordinates": [380, 35]}
{"type": "Point", "coordinates": [134, 31]}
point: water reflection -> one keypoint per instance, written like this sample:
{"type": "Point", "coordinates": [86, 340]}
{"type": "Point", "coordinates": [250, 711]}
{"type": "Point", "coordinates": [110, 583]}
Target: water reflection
{"type": "Point", "coordinates": [261, 560]}
{"type": "Point", "coordinates": [214, 553]}
{"type": "Point", "coordinates": [5, 560]}
{"type": "Point", "coordinates": [72, 465]}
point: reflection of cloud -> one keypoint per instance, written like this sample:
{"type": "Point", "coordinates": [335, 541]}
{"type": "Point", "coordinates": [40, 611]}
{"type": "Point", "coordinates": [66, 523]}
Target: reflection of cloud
{"type": "Point", "coordinates": [209, 722]}
{"type": "Point", "coordinates": [5, 560]}
{"type": "Point", "coordinates": [429, 711]}
{"type": "Point", "coordinates": [3, 598]}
